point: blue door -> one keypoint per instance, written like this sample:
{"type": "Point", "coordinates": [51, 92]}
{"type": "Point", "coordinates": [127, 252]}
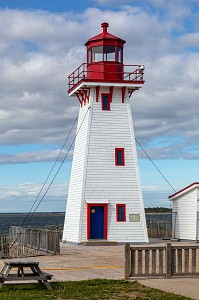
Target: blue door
{"type": "Point", "coordinates": [96, 222]}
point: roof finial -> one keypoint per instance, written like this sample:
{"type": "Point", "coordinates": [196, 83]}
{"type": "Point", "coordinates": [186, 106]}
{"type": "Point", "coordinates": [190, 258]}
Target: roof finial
{"type": "Point", "coordinates": [104, 26]}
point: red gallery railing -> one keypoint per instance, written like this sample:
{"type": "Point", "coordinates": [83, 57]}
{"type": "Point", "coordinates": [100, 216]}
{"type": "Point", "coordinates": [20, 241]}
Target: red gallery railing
{"type": "Point", "coordinates": [130, 73]}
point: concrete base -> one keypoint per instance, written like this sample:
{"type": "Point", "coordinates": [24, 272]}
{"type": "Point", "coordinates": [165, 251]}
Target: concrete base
{"type": "Point", "coordinates": [174, 240]}
{"type": "Point", "coordinates": [99, 243]}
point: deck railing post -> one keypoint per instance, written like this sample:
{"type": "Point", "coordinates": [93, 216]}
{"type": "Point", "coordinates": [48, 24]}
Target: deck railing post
{"type": "Point", "coordinates": [127, 265]}
{"type": "Point", "coordinates": [168, 260]}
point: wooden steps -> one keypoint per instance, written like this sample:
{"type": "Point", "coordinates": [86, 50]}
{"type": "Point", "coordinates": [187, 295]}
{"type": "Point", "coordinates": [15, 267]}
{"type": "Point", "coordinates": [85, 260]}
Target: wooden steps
{"type": "Point", "coordinates": [99, 243]}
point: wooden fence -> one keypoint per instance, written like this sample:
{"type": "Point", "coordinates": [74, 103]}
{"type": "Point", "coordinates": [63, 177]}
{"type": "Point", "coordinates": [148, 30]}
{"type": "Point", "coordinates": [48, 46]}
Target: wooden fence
{"type": "Point", "coordinates": [4, 246]}
{"type": "Point", "coordinates": [23, 242]}
{"type": "Point", "coordinates": [159, 228]}
{"type": "Point", "coordinates": [159, 225]}
{"type": "Point", "coordinates": [167, 261]}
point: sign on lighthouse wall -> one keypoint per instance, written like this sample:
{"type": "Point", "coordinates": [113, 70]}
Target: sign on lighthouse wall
{"type": "Point", "coordinates": [105, 199]}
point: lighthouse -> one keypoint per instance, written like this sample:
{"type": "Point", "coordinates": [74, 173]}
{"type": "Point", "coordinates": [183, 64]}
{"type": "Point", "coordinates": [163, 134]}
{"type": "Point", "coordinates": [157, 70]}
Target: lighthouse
{"type": "Point", "coordinates": [105, 201]}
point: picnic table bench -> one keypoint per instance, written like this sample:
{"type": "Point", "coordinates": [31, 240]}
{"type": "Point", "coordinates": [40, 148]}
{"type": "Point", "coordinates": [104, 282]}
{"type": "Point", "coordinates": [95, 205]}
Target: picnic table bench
{"type": "Point", "coordinates": [24, 270]}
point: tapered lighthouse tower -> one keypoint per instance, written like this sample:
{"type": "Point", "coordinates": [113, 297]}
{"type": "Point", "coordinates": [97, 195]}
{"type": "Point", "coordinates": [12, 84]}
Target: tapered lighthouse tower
{"type": "Point", "coordinates": [105, 199]}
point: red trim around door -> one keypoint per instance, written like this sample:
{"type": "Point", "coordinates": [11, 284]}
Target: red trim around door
{"type": "Point", "coordinates": [105, 218]}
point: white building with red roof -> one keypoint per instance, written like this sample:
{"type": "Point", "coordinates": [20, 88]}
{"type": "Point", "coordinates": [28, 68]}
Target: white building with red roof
{"type": "Point", "coordinates": [185, 208]}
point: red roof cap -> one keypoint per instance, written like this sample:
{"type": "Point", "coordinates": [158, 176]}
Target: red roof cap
{"type": "Point", "coordinates": [187, 187]}
{"type": "Point", "coordinates": [104, 35]}
{"type": "Point", "coordinates": [104, 26]}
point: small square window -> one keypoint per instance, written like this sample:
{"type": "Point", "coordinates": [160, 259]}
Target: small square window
{"type": "Point", "coordinates": [121, 212]}
{"type": "Point", "coordinates": [119, 157]}
{"type": "Point", "coordinates": [105, 101]}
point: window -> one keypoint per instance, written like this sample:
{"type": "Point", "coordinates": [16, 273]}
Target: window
{"type": "Point", "coordinates": [109, 53]}
{"type": "Point", "coordinates": [119, 157]}
{"type": "Point", "coordinates": [105, 53]}
{"type": "Point", "coordinates": [105, 101]}
{"type": "Point", "coordinates": [121, 212]}
{"type": "Point", "coordinates": [97, 53]}
{"type": "Point", "coordinates": [119, 55]}
{"type": "Point", "coordinates": [89, 53]}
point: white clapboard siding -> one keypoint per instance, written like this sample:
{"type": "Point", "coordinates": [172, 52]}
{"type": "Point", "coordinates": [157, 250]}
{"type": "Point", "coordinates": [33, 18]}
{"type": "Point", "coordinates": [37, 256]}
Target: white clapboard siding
{"type": "Point", "coordinates": [103, 180]}
{"type": "Point", "coordinates": [185, 207]}
{"type": "Point", "coordinates": [74, 204]}
{"type": "Point", "coordinates": [94, 176]}
{"type": "Point", "coordinates": [197, 214]}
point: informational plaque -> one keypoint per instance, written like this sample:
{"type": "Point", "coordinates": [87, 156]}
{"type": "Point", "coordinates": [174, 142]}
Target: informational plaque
{"type": "Point", "coordinates": [134, 217]}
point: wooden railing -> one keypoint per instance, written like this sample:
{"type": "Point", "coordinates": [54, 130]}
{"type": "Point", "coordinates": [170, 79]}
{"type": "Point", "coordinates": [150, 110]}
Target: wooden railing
{"type": "Point", "coordinates": [167, 261]}
{"type": "Point", "coordinates": [23, 242]}
{"type": "Point", "coordinates": [4, 246]}
{"type": "Point", "coordinates": [131, 73]}
{"type": "Point", "coordinates": [159, 228]}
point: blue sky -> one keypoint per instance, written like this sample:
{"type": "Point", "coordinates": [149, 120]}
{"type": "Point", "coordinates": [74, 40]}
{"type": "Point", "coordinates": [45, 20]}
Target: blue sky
{"type": "Point", "coordinates": [42, 42]}
{"type": "Point", "coordinates": [50, 6]}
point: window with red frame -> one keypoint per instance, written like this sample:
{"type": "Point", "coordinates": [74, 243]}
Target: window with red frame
{"type": "Point", "coordinates": [106, 101]}
{"type": "Point", "coordinates": [119, 157]}
{"type": "Point", "coordinates": [121, 212]}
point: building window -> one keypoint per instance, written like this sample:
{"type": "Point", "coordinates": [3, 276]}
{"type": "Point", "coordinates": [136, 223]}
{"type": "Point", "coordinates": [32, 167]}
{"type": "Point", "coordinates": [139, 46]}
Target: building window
{"type": "Point", "coordinates": [119, 157]}
{"type": "Point", "coordinates": [97, 53]}
{"type": "Point", "coordinates": [109, 53]}
{"type": "Point", "coordinates": [121, 212]}
{"type": "Point", "coordinates": [105, 53]}
{"type": "Point", "coordinates": [89, 56]}
{"type": "Point", "coordinates": [119, 55]}
{"type": "Point", "coordinates": [105, 101]}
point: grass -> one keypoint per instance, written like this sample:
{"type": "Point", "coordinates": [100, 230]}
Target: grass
{"type": "Point", "coordinates": [97, 289]}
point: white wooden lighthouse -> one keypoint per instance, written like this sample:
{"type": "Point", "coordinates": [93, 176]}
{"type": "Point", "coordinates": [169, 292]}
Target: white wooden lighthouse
{"type": "Point", "coordinates": [105, 200]}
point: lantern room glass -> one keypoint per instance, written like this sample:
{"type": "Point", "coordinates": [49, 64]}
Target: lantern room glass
{"type": "Point", "coordinates": [109, 53]}
{"type": "Point", "coordinates": [105, 53]}
{"type": "Point", "coordinates": [119, 55]}
{"type": "Point", "coordinates": [97, 53]}
{"type": "Point", "coordinates": [89, 56]}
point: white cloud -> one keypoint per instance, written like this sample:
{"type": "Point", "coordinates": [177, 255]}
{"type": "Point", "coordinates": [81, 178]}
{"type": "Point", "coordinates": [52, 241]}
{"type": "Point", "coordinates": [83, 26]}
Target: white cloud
{"type": "Point", "coordinates": [21, 197]}
{"type": "Point", "coordinates": [156, 188]}
{"type": "Point", "coordinates": [167, 104]}
{"type": "Point", "coordinates": [38, 50]}
{"type": "Point", "coordinates": [41, 156]}
{"type": "Point", "coordinates": [190, 39]}
{"type": "Point", "coordinates": [155, 198]}
{"type": "Point", "coordinates": [112, 2]}
{"type": "Point", "coordinates": [31, 189]}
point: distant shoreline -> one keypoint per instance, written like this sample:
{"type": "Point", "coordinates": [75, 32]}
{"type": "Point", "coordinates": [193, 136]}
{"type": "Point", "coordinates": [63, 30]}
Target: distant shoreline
{"type": "Point", "coordinates": [33, 220]}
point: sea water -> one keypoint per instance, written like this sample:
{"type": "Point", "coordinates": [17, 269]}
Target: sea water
{"type": "Point", "coordinates": [38, 220]}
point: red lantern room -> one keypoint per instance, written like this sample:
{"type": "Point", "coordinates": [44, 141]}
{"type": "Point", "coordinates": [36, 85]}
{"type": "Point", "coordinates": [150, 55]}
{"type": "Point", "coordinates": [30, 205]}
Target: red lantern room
{"type": "Point", "coordinates": [105, 66]}
{"type": "Point", "coordinates": [105, 56]}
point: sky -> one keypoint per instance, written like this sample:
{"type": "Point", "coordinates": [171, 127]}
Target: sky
{"type": "Point", "coordinates": [42, 42]}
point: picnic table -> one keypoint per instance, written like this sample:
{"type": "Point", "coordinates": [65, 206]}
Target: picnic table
{"type": "Point", "coordinates": [24, 270]}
